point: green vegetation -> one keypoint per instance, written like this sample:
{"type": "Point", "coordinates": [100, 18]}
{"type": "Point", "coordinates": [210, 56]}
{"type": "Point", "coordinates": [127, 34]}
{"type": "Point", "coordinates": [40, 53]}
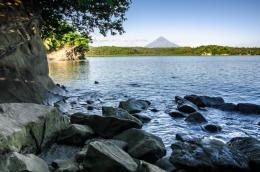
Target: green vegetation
{"type": "Point", "coordinates": [180, 51]}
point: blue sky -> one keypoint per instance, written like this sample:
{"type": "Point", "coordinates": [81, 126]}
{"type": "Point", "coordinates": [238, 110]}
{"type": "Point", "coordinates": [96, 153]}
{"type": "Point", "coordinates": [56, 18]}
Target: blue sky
{"type": "Point", "coordinates": [189, 23]}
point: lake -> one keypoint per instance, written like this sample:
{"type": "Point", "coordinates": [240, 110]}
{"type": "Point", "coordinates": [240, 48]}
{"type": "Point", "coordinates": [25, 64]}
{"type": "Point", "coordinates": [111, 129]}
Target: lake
{"type": "Point", "coordinates": [159, 79]}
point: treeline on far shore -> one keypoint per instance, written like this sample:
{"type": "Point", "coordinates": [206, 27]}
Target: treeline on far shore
{"type": "Point", "coordinates": [179, 51]}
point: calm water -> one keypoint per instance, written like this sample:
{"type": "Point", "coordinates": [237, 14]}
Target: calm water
{"type": "Point", "coordinates": [159, 79]}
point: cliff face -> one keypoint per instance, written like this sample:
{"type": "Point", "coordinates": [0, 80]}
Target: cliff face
{"type": "Point", "coordinates": [65, 53]}
{"type": "Point", "coordinates": [23, 62]}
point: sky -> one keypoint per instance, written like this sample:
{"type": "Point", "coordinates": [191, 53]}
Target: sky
{"type": "Point", "coordinates": [190, 23]}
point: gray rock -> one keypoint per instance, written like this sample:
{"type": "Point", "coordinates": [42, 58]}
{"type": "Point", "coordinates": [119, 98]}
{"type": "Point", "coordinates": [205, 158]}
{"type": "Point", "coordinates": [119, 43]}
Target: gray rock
{"type": "Point", "coordinates": [184, 137]}
{"type": "Point", "coordinates": [165, 164]}
{"type": "Point", "coordinates": [203, 155]}
{"type": "Point", "coordinates": [134, 106]}
{"type": "Point", "coordinates": [65, 165]}
{"type": "Point", "coordinates": [212, 128]}
{"type": "Point", "coordinates": [184, 105]}
{"type": "Point", "coordinates": [147, 167]}
{"type": "Point", "coordinates": [119, 143]}
{"type": "Point", "coordinates": [143, 145]}
{"type": "Point", "coordinates": [75, 134]}
{"type": "Point", "coordinates": [228, 107]}
{"type": "Point", "coordinates": [205, 101]}
{"type": "Point", "coordinates": [108, 127]}
{"type": "Point", "coordinates": [142, 118]}
{"type": "Point", "coordinates": [80, 156]}
{"type": "Point", "coordinates": [24, 67]}
{"type": "Point", "coordinates": [29, 128]}
{"type": "Point", "coordinates": [250, 147]}
{"type": "Point", "coordinates": [249, 108]}
{"type": "Point", "coordinates": [104, 156]}
{"type": "Point", "coordinates": [15, 162]}
{"type": "Point", "coordinates": [176, 114]}
{"type": "Point", "coordinates": [79, 118]}
{"type": "Point", "coordinates": [196, 117]}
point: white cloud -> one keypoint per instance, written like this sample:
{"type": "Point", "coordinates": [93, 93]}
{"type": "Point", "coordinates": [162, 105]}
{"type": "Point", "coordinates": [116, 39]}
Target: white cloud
{"type": "Point", "coordinates": [117, 39]}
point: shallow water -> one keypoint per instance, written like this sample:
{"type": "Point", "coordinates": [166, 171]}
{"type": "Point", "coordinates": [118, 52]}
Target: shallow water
{"type": "Point", "coordinates": [159, 79]}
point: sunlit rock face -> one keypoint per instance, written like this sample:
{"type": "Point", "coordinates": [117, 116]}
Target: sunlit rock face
{"type": "Point", "coordinates": [23, 63]}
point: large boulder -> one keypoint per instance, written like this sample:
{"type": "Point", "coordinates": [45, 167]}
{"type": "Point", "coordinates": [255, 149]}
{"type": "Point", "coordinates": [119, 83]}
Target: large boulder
{"type": "Point", "coordinates": [250, 147]}
{"type": "Point", "coordinates": [203, 155]}
{"type": "Point", "coordinates": [249, 108]}
{"type": "Point", "coordinates": [29, 128]}
{"type": "Point", "coordinates": [104, 156]}
{"type": "Point", "coordinates": [196, 117]}
{"type": "Point", "coordinates": [108, 127]}
{"type": "Point", "coordinates": [134, 106]}
{"type": "Point", "coordinates": [15, 162]}
{"type": "Point", "coordinates": [23, 63]}
{"type": "Point", "coordinates": [75, 134]}
{"type": "Point", "coordinates": [184, 105]}
{"type": "Point", "coordinates": [143, 145]}
{"type": "Point", "coordinates": [147, 167]}
{"type": "Point", "coordinates": [205, 101]}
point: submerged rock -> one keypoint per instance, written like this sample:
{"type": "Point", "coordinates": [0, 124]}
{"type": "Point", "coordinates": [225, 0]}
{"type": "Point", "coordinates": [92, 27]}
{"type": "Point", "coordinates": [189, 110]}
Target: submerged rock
{"type": "Point", "coordinates": [143, 145]}
{"type": "Point", "coordinates": [184, 105]}
{"type": "Point", "coordinates": [203, 155]}
{"type": "Point", "coordinates": [228, 107]}
{"type": "Point", "coordinates": [196, 117]}
{"type": "Point", "coordinates": [250, 147]}
{"type": "Point", "coordinates": [205, 101]}
{"type": "Point", "coordinates": [212, 128]}
{"type": "Point", "coordinates": [176, 114]}
{"type": "Point", "coordinates": [29, 128]}
{"type": "Point", "coordinates": [249, 108]}
{"type": "Point", "coordinates": [15, 162]}
{"type": "Point", "coordinates": [103, 156]}
{"type": "Point", "coordinates": [142, 118]}
{"type": "Point", "coordinates": [134, 106]}
{"type": "Point", "coordinates": [184, 137]}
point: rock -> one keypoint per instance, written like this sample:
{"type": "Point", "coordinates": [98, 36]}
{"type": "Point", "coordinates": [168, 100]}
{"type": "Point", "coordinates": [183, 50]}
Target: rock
{"type": "Point", "coordinates": [62, 107]}
{"type": "Point", "coordinates": [80, 156]}
{"type": "Point", "coordinates": [205, 101]}
{"type": "Point", "coordinates": [119, 143]}
{"type": "Point", "coordinates": [154, 110]}
{"type": "Point", "coordinates": [61, 152]}
{"type": "Point", "coordinates": [15, 162]}
{"type": "Point", "coordinates": [65, 165]}
{"type": "Point", "coordinates": [51, 169]}
{"type": "Point", "coordinates": [184, 137]}
{"type": "Point", "coordinates": [228, 107]}
{"type": "Point", "coordinates": [196, 117]}
{"type": "Point", "coordinates": [90, 102]}
{"type": "Point", "coordinates": [250, 147]}
{"type": "Point", "coordinates": [258, 123]}
{"type": "Point", "coordinates": [145, 166]}
{"type": "Point", "coordinates": [79, 118]}
{"type": "Point", "coordinates": [23, 64]}
{"type": "Point", "coordinates": [212, 128]}
{"type": "Point", "coordinates": [184, 105]}
{"type": "Point", "coordinates": [176, 114]}
{"type": "Point", "coordinates": [29, 128]}
{"type": "Point", "coordinates": [96, 82]}
{"type": "Point", "coordinates": [108, 127]}
{"type": "Point", "coordinates": [90, 108]}
{"type": "Point", "coordinates": [249, 108]}
{"type": "Point", "coordinates": [76, 135]}
{"type": "Point", "coordinates": [65, 53]}
{"type": "Point", "coordinates": [103, 156]}
{"type": "Point", "coordinates": [134, 106]}
{"type": "Point", "coordinates": [143, 145]}
{"type": "Point", "coordinates": [203, 155]}
{"type": "Point", "coordinates": [142, 118]}
{"type": "Point", "coordinates": [165, 164]}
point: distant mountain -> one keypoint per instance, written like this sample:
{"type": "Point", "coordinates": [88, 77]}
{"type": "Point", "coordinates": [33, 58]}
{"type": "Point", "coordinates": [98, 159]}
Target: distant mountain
{"type": "Point", "coordinates": [161, 42]}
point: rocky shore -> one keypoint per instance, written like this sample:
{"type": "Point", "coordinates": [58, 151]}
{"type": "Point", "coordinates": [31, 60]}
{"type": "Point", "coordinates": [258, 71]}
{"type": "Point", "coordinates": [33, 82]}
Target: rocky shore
{"type": "Point", "coordinates": [115, 141]}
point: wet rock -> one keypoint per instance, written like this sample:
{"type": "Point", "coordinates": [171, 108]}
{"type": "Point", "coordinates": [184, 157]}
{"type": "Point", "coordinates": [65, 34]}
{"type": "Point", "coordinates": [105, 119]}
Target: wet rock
{"type": "Point", "coordinates": [142, 118]}
{"type": "Point", "coordinates": [51, 169]}
{"type": "Point", "coordinates": [250, 147]}
{"type": "Point", "coordinates": [203, 155]}
{"type": "Point", "coordinates": [259, 123]}
{"type": "Point", "coordinates": [249, 108]}
{"type": "Point", "coordinates": [176, 114]}
{"type": "Point", "coordinates": [119, 143]}
{"type": "Point", "coordinates": [79, 118]}
{"type": "Point", "coordinates": [184, 137]}
{"type": "Point", "coordinates": [196, 117]}
{"type": "Point", "coordinates": [15, 162]}
{"type": "Point", "coordinates": [134, 106]}
{"type": "Point", "coordinates": [165, 164]}
{"type": "Point", "coordinates": [96, 82]}
{"type": "Point", "coordinates": [212, 128]}
{"type": "Point", "coordinates": [154, 110]}
{"type": "Point", "coordinates": [184, 105]}
{"type": "Point", "coordinates": [228, 107]}
{"type": "Point", "coordinates": [59, 151]}
{"type": "Point", "coordinates": [90, 108]}
{"type": "Point", "coordinates": [65, 165]}
{"type": "Point", "coordinates": [80, 156]}
{"type": "Point", "coordinates": [145, 166]}
{"type": "Point", "coordinates": [205, 101]}
{"type": "Point", "coordinates": [75, 134]}
{"type": "Point", "coordinates": [143, 145]}
{"type": "Point", "coordinates": [29, 128]}
{"type": "Point", "coordinates": [105, 156]}
{"type": "Point", "coordinates": [62, 107]}
{"type": "Point", "coordinates": [108, 127]}
{"type": "Point", "coordinates": [90, 102]}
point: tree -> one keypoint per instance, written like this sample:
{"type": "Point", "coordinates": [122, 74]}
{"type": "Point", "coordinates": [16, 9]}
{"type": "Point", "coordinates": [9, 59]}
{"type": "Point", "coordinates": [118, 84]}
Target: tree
{"type": "Point", "coordinates": [84, 15]}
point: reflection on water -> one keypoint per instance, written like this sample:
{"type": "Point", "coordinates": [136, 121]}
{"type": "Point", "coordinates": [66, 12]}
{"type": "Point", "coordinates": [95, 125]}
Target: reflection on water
{"type": "Point", "coordinates": [69, 72]}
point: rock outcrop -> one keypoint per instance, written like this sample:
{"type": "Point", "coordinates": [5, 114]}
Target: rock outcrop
{"type": "Point", "coordinates": [65, 53]}
{"type": "Point", "coordinates": [23, 61]}
{"type": "Point", "coordinates": [29, 128]}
